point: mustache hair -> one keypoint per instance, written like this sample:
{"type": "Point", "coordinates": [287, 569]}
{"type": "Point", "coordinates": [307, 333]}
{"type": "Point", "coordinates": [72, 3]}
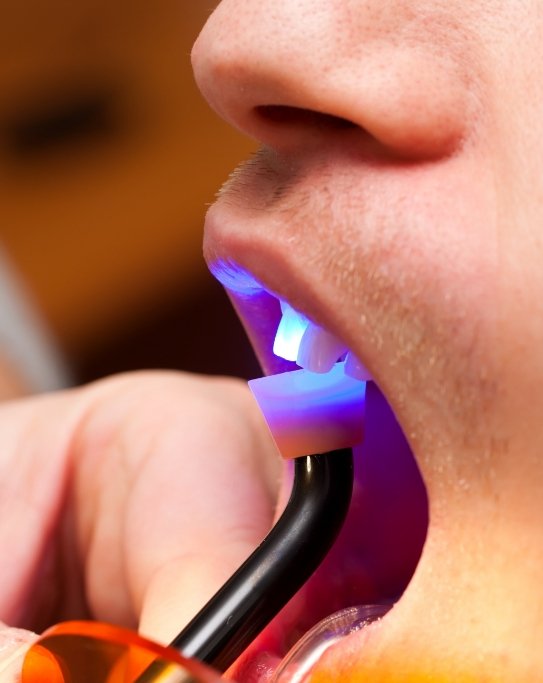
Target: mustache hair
{"type": "Point", "coordinates": [264, 166]}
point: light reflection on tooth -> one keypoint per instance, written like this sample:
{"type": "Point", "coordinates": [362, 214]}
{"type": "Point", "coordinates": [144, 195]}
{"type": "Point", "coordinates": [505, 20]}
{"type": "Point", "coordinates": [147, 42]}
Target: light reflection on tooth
{"type": "Point", "coordinates": [289, 333]}
{"type": "Point", "coordinates": [319, 350]}
{"type": "Point", "coordinates": [286, 307]}
{"type": "Point", "coordinates": [356, 369]}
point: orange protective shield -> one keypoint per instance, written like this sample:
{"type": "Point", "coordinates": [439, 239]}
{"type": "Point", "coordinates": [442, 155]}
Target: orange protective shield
{"type": "Point", "coordinates": [91, 652]}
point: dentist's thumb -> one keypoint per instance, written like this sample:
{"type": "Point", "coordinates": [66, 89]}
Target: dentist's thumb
{"type": "Point", "coordinates": [184, 585]}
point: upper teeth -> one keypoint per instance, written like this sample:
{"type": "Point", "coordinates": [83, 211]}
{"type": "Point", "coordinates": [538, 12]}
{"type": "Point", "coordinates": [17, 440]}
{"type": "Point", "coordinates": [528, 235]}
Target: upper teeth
{"type": "Point", "coordinates": [319, 350]}
{"type": "Point", "coordinates": [354, 367]}
{"type": "Point", "coordinates": [289, 333]}
{"type": "Point", "coordinates": [312, 347]}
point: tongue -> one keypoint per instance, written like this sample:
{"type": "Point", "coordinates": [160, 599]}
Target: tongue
{"type": "Point", "coordinates": [377, 551]}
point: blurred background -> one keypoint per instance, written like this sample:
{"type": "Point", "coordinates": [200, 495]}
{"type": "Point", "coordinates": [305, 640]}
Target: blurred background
{"type": "Point", "coordinates": [108, 159]}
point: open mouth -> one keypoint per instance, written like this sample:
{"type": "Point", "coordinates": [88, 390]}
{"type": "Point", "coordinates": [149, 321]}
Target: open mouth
{"type": "Point", "coordinates": [378, 549]}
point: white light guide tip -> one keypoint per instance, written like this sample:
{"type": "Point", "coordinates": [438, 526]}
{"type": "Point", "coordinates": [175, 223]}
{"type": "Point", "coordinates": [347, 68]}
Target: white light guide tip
{"type": "Point", "coordinates": [310, 413]}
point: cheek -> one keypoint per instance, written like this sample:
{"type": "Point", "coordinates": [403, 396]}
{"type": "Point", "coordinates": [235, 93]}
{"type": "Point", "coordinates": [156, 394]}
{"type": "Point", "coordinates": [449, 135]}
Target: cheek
{"type": "Point", "coordinates": [414, 274]}
{"type": "Point", "coordinates": [419, 269]}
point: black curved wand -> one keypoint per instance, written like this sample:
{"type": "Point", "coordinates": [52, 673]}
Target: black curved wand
{"type": "Point", "coordinates": [280, 565]}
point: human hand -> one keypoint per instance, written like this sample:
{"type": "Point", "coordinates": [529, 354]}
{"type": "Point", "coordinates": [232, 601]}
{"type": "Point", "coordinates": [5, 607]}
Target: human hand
{"type": "Point", "coordinates": [118, 502]}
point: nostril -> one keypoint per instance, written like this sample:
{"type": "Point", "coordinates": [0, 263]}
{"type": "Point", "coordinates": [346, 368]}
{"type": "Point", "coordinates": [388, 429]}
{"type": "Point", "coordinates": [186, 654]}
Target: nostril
{"type": "Point", "coordinates": [297, 116]}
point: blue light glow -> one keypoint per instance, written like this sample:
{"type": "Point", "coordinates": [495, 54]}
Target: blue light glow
{"type": "Point", "coordinates": [235, 278]}
{"type": "Point", "coordinates": [289, 333]}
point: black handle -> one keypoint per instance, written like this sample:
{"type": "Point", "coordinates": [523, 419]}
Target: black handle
{"type": "Point", "coordinates": [278, 568]}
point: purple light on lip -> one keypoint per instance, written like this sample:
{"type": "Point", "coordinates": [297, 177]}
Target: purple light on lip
{"type": "Point", "coordinates": [258, 309]}
{"type": "Point", "coordinates": [235, 278]}
{"type": "Point", "coordinates": [239, 281]}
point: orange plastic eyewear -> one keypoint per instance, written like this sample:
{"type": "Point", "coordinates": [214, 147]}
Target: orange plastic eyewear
{"type": "Point", "coordinates": [92, 652]}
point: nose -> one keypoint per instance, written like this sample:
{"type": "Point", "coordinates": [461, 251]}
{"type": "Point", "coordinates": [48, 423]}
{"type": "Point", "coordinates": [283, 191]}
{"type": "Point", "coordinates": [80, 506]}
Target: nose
{"type": "Point", "coordinates": [288, 72]}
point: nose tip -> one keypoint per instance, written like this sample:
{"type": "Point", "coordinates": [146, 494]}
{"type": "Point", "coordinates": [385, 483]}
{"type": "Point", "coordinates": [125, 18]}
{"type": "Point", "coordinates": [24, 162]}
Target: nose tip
{"type": "Point", "coordinates": [289, 72]}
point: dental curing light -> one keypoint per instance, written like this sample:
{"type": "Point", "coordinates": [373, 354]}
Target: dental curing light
{"type": "Point", "coordinates": [306, 413]}
{"type": "Point", "coordinates": [312, 519]}
{"type": "Point", "coordinates": [279, 567]}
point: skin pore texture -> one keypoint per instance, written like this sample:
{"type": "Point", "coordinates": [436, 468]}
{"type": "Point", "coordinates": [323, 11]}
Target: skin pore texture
{"type": "Point", "coordinates": [396, 201]}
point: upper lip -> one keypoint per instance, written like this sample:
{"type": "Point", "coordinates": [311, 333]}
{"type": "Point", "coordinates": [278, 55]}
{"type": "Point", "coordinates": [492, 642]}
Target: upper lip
{"type": "Point", "coordinates": [257, 228]}
{"type": "Point", "coordinates": [257, 236]}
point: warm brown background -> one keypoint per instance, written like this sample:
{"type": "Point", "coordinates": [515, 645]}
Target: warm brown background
{"type": "Point", "coordinates": [108, 157]}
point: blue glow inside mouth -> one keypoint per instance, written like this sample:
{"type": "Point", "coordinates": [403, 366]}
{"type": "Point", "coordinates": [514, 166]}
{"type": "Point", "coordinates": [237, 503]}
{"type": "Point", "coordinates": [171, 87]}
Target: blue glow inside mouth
{"type": "Point", "coordinates": [289, 333]}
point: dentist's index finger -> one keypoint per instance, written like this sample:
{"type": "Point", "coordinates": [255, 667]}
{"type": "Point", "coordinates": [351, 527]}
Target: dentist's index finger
{"type": "Point", "coordinates": [203, 480]}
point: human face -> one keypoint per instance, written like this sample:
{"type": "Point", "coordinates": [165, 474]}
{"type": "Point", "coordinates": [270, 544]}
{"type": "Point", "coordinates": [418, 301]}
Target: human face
{"type": "Point", "coordinates": [396, 202]}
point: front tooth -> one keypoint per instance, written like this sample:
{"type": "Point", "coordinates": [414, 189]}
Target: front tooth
{"type": "Point", "coordinates": [286, 308]}
{"type": "Point", "coordinates": [319, 350]}
{"type": "Point", "coordinates": [356, 369]}
{"type": "Point", "coordinates": [289, 333]}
